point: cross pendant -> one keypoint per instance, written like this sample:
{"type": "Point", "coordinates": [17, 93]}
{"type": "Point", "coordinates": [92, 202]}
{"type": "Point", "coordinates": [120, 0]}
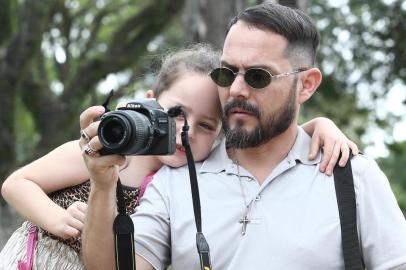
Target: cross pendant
{"type": "Point", "coordinates": [244, 221]}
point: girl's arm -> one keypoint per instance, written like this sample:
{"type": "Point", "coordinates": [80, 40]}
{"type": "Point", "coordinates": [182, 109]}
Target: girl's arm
{"type": "Point", "coordinates": [26, 190]}
{"type": "Point", "coordinates": [325, 134]}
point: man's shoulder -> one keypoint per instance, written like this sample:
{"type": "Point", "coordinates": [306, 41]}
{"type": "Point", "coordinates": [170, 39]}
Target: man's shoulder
{"type": "Point", "coordinates": [367, 174]}
{"type": "Point", "coordinates": [362, 163]}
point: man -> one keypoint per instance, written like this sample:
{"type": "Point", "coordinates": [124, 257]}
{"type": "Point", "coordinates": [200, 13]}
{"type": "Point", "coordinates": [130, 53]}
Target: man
{"type": "Point", "coordinates": [264, 204]}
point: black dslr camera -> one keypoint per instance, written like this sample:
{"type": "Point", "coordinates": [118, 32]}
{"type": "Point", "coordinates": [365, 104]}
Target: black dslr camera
{"type": "Point", "coordinates": [141, 128]}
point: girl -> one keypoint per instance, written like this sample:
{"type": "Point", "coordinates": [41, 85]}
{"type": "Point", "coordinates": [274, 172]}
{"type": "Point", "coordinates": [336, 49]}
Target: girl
{"type": "Point", "coordinates": [51, 192]}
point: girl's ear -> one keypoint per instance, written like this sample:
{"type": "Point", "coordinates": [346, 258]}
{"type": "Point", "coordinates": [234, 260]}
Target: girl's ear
{"type": "Point", "coordinates": [149, 94]}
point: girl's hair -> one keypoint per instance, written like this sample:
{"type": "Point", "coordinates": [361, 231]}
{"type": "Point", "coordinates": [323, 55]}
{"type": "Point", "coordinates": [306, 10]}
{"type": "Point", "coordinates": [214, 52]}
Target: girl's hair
{"type": "Point", "coordinates": [199, 58]}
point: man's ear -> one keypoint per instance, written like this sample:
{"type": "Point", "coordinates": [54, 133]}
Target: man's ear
{"type": "Point", "coordinates": [310, 81]}
{"type": "Point", "coordinates": [149, 94]}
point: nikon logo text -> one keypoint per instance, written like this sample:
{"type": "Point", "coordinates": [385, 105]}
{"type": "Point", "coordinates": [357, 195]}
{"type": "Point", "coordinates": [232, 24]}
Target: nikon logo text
{"type": "Point", "coordinates": [133, 106]}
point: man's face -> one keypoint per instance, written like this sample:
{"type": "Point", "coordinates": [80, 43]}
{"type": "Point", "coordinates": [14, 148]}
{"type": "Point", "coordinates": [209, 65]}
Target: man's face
{"type": "Point", "coordinates": [251, 116]}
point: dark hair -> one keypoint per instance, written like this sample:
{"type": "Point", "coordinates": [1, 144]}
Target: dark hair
{"type": "Point", "coordinates": [199, 58]}
{"type": "Point", "coordinates": [293, 24]}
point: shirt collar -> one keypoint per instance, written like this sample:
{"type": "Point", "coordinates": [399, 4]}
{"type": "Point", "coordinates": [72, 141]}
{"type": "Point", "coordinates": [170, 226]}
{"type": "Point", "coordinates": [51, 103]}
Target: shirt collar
{"type": "Point", "coordinates": [219, 161]}
{"type": "Point", "coordinates": [301, 149]}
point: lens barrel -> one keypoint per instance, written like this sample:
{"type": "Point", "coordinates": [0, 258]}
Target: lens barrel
{"type": "Point", "coordinates": [125, 132]}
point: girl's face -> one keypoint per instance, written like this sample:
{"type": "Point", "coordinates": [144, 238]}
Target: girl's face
{"type": "Point", "coordinates": [198, 96]}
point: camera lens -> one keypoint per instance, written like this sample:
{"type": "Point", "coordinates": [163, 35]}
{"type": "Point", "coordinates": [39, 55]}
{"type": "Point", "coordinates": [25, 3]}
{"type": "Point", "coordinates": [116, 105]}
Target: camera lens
{"type": "Point", "coordinates": [125, 132]}
{"type": "Point", "coordinates": [114, 132]}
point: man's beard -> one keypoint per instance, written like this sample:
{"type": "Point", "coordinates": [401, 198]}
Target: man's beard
{"type": "Point", "coordinates": [274, 124]}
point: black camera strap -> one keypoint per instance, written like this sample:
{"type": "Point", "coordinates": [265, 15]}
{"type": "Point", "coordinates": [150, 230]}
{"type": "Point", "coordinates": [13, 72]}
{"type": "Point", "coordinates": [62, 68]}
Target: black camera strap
{"type": "Point", "coordinates": [107, 101]}
{"type": "Point", "coordinates": [201, 243]}
{"type": "Point", "coordinates": [123, 228]}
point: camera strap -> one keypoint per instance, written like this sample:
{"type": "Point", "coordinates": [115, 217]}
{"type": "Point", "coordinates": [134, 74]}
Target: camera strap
{"type": "Point", "coordinates": [201, 243]}
{"type": "Point", "coordinates": [107, 101]}
{"type": "Point", "coordinates": [123, 228]}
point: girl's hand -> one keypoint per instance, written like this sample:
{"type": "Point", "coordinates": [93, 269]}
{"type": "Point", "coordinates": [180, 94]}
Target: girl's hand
{"type": "Point", "coordinates": [70, 221]}
{"type": "Point", "coordinates": [334, 142]}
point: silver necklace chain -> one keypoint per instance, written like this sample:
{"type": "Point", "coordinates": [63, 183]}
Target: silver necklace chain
{"type": "Point", "coordinates": [241, 187]}
{"type": "Point", "coordinates": [245, 219]}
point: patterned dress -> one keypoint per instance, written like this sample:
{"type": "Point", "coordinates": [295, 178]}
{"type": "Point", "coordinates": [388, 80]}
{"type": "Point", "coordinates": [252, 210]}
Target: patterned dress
{"type": "Point", "coordinates": [52, 252]}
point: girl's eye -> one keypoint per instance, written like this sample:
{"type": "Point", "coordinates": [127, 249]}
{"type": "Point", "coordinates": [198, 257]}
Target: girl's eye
{"type": "Point", "coordinates": [206, 126]}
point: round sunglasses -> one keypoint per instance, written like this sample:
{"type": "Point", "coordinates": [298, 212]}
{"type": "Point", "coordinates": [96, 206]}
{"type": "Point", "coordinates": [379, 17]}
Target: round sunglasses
{"type": "Point", "coordinates": [257, 78]}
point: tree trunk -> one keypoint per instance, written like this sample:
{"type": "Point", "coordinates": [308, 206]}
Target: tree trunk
{"type": "Point", "coordinates": [207, 20]}
{"type": "Point", "coordinates": [17, 54]}
{"type": "Point", "coordinates": [5, 20]}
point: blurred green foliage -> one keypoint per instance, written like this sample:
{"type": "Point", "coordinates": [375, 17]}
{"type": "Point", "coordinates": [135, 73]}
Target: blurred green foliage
{"type": "Point", "coordinates": [394, 168]}
{"type": "Point", "coordinates": [362, 58]}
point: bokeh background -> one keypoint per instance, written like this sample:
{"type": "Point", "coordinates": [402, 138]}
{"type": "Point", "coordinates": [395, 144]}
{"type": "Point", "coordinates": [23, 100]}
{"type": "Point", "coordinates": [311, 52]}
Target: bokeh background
{"type": "Point", "coordinates": [58, 57]}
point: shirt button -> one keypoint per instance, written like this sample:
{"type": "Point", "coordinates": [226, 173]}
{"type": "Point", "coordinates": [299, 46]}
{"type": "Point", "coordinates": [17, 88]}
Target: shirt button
{"type": "Point", "coordinates": [258, 197]}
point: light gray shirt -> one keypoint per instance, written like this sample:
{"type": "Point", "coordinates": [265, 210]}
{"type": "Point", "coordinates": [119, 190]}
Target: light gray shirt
{"type": "Point", "coordinates": [294, 220]}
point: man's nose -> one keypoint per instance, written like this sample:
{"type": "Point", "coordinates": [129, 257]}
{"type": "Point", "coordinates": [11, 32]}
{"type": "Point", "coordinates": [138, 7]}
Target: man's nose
{"type": "Point", "coordinates": [239, 88]}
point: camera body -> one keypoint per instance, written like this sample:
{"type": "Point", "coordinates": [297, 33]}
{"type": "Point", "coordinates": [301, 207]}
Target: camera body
{"type": "Point", "coordinates": [140, 128]}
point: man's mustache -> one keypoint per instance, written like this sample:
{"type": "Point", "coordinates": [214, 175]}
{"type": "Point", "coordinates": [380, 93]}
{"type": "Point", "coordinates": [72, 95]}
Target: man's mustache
{"type": "Point", "coordinates": [241, 104]}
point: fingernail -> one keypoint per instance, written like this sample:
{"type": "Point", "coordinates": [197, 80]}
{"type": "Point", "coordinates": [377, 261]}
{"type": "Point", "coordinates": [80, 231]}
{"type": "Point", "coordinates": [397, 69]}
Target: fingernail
{"type": "Point", "coordinates": [342, 164]}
